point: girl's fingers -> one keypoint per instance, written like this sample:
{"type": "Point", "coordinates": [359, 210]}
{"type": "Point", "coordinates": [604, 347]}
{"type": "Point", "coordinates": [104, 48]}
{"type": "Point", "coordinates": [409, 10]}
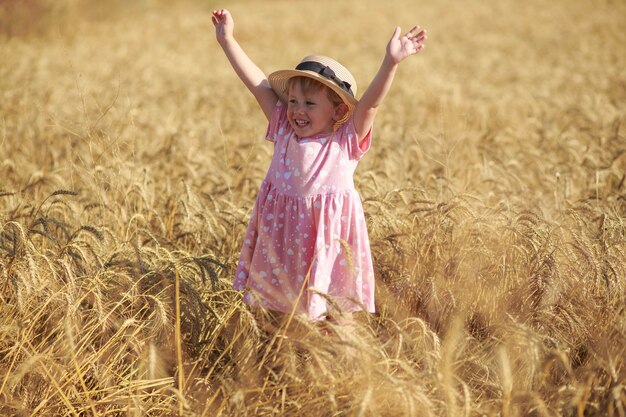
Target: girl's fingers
{"type": "Point", "coordinates": [220, 14]}
{"type": "Point", "coordinates": [421, 35]}
{"type": "Point", "coordinates": [415, 29]}
{"type": "Point", "coordinates": [416, 35]}
{"type": "Point", "coordinates": [396, 33]}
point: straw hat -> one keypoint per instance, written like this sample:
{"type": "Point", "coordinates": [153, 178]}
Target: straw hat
{"type": "Point", "coordinates": [323, 69]}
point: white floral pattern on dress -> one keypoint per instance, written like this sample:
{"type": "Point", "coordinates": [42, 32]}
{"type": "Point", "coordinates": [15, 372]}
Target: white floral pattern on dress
{"type": "Point", "coordinates": [307, 209]}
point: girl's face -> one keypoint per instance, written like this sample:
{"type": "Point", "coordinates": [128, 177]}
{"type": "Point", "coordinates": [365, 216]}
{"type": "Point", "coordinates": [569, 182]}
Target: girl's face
{"type": "Point", "coordinates": [311, 112]}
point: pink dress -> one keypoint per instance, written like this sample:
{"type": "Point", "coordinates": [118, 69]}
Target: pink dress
{"type": "Point", "coordinates": [307, 241]}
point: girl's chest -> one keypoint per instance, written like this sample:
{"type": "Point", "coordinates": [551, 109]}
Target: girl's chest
{"type": "Point", "coordinates": [309, 160]}
{"type": "Point", "coordinates": [310, 152]}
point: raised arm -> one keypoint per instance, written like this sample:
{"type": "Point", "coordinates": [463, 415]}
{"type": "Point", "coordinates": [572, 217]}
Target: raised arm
{"type": "Point", "coordinates": [251, 75]}
{"type": "Point", "coordinates": [398, 49]}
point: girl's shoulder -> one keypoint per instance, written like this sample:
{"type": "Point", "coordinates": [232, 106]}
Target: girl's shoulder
{"type": "Point", "coordinates": [347, 135]}
{"type": "Point", "coordinates": [278, 124]}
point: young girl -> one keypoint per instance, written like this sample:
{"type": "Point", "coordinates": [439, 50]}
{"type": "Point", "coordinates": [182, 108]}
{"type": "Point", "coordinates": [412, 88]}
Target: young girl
{"type": "Point", "coordinates": [306, 247]}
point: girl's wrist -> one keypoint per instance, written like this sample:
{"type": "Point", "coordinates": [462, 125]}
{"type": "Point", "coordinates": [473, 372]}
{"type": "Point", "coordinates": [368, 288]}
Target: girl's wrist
{"type": "Point", "coordinates": [389, 62]}
{"type": "Point", "coordinates": [225, 41]}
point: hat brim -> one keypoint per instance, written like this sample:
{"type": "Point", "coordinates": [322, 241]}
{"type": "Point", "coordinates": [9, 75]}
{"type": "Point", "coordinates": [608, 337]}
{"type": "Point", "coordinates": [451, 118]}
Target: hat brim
{"type": "Point", "coordinates": [279, 80]}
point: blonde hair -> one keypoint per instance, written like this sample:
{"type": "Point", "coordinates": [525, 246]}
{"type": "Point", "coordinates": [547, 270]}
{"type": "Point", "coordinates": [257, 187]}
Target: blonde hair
{"type": "Point", "coordinates": [309, 84]}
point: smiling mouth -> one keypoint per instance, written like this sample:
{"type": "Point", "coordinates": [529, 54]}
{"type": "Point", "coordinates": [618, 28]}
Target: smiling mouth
{"type": "Point", "coordinates": [301, 123]}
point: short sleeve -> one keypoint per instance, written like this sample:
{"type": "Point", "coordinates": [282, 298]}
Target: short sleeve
{"type": "Point", "coordinates": [356, 148]}
{"type": "Point", "coordinates": [278, 122]}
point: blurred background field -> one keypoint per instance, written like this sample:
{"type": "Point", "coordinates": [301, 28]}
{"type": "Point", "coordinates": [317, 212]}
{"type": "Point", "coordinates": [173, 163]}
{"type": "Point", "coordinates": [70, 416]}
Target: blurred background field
{"type": "Point", "coordinates": [130, 156]}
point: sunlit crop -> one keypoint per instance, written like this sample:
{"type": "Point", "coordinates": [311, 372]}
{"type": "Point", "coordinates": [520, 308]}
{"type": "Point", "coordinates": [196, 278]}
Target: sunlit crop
{"type": "Point", "coordinates": [494, 192]}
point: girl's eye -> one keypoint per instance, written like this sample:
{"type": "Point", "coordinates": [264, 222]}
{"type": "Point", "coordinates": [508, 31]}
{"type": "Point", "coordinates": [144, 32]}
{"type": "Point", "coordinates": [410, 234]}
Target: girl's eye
{"type": "Point", "coordinates": [310, 103]}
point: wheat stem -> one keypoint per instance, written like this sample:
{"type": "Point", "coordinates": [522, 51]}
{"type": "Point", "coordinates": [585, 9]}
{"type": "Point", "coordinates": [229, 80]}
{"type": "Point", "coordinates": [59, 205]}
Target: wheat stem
{"type": "Point", "coordinates": [178, 343]}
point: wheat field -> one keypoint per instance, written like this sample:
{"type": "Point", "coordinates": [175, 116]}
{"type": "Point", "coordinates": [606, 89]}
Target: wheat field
{"type": "Point", "coordinates": [130, 157]}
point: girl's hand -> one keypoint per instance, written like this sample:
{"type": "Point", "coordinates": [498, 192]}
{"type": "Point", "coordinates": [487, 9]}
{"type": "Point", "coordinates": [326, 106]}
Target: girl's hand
{"type": "Point", "coordinates": [400, 48]}
{"type": "Point", "coordinates": [224, 25]}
